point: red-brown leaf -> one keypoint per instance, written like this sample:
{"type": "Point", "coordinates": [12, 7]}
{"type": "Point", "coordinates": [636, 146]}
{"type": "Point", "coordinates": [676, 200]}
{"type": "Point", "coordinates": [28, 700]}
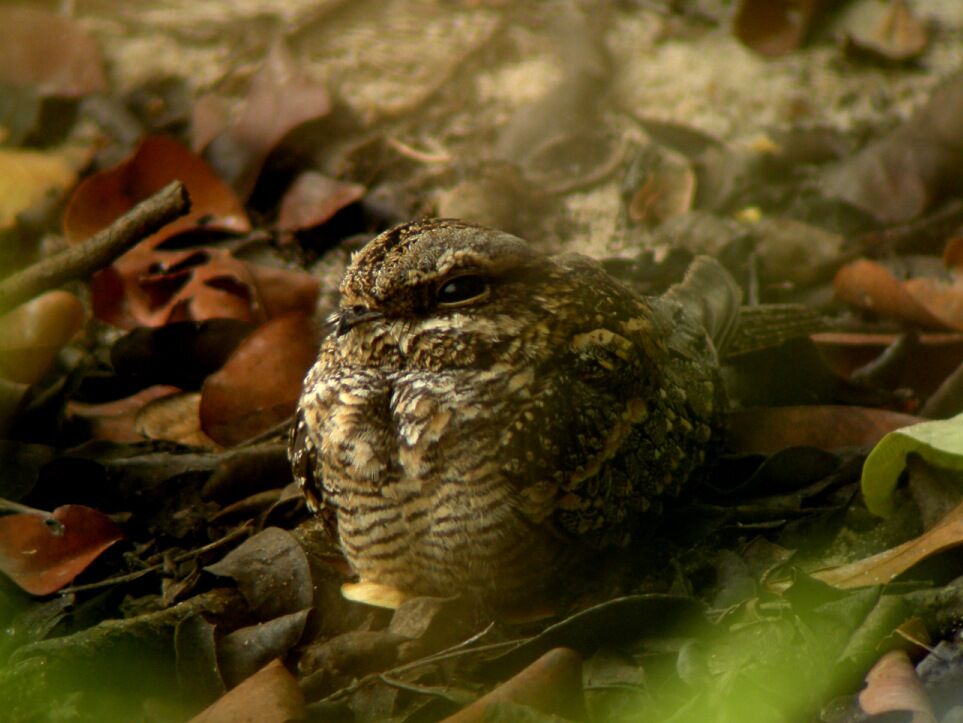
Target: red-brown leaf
{"type": "Point", "coordinates": [271, 695]}
{"type": "Point", "coordinates": [259, 385]}
{"type": "Point", "coordinates": [41, 561]}
{"type": "Point", "coordinates": [827, 427]}
{"type": "Point", "coordinates": [313, 199]}
{"type": "Point", "coordinates": [893, 685]}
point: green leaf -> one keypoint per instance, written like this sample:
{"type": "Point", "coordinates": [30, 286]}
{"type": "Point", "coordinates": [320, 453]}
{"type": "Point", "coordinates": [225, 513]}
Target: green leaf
{"type": "Point", "coordinates": [939, 443]}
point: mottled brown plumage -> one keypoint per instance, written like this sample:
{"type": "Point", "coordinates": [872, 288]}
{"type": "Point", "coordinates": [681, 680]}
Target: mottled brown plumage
{"type": "Point", "coordinates": [483, 414]}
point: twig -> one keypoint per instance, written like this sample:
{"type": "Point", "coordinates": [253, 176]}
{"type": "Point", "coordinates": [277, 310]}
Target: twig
{"type": "Point", "coordinates": [137, 574]}
{"type": "Point", "coordinates": [454, 651]}
{"type": "Point", "coordinates": [56, 526]}
{"type": "Point", "coordinates": [99, 250]}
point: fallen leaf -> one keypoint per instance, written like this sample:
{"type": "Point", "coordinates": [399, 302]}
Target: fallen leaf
{"type": "Point", "coordinates": [313, 199]}
{"type": "Point", "coordinates": [116, 421]}
{"type": "Point", "coordinates": [901, 175]}
{"type": "Point", "coordinates": [791, 250]}
{"type": "Point", "coordinates": [869, 285]}
{"type": "Point", "coordinates": [242, 652]}
{"type": "Point", "coordinates": [935, 356]}
{"type": "Point", "coordinates": [893, 685]}
{"type": "Point", "coordinates": [282, 96]}
{"type": "Point", "coordinates": [150, 285]}
{"type": "Point", "coordinates": [898, 37]}
{"type": "Point", "coordinates": [552, 685]}
{"type": "Point", "coordinates": [32, 335]}
{"type": "Point", "coordinates": [663, 192]}
{"type": "Point", "coordinates": [41, 561]}
{"type": "Point", "coordinates": [283, 291]}
{"type": "Point", "coordinates": [48, 51]}
{"type": "Point", "coordinates": [882, 568]}
{"type": "Point", "coordinates": [774, 27]}
{"type": "Point", "coordinates": [260, 384]}
{"type": "Point", "coordinates": [27, 177]}
{"type": "Point", "coordinates": [271, 695]}
{"type": "Point", "coordinates": [272, 572]}
{"type": "Point", "coordinates": [181, 354]}
{"type": "Point", "coordinates": [176, 418]}
{"type": "Point", "coordinates": [100, 199]}
{"type": "Point", "coordinates": [939, 443]}
{"type": "Point", "coordinates": [829, 427]}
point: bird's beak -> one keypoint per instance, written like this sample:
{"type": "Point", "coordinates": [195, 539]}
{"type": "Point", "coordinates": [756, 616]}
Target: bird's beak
{"type": "Point", "coordinates": [352, 316]}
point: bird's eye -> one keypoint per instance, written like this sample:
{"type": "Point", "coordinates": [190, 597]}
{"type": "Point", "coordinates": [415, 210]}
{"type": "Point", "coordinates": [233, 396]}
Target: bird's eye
{"type": "Point", "coordinates": [462, 289]}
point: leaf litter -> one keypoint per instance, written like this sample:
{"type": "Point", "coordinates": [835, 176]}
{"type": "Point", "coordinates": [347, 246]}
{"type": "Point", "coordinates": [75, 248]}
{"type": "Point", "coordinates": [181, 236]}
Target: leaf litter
{"type": "Point", "coordinates": [156, 541]}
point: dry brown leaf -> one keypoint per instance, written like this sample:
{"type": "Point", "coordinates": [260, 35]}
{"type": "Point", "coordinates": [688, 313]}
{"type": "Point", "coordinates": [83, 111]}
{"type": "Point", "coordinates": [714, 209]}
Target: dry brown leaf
{"type": "Point", "coordinates": [282, 96]}
{"type": "Point", "coordinates": [889, 564]}
{"type": "Point", "coordinates": [899, 36]}
{"type": "Point", "coordinates": [774, 27]}
{"type": "Point", "coordinates": [868, 285]}
{"type": "Point", "coordinates": [271, 695]}
{"type": "Point", "coordinates": [768, 430]}
{"type": "Point", "coordinates": [174, 417]}
{"type": "Point", "coordinates": [32, 335]}
{"type": "Point", "coordinates": [260, 384]}
{"type": "Point", "coordinates": [313, 199]}
{"type": "Point", "coordinates": [552, 685]}
{"type": "Point", "coordinates": [157, 161]}
{"type": "Point", "coordinates": [893, 685]}
{"type": "Point", "coordinates": [115, 420]}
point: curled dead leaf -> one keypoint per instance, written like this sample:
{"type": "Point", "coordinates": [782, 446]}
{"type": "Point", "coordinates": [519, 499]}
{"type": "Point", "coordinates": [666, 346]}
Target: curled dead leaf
{"type": "Point", "coordinates": [889, 564]}
{"type": "Point", "coordinates": [893, 685]}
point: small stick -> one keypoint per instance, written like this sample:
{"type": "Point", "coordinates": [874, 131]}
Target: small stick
{"type": "Point", "coordinates": [99, 250]}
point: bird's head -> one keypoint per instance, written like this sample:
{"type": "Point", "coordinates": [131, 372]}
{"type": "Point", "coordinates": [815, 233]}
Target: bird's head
{"type": "Point", "coordinates": [440, 290]}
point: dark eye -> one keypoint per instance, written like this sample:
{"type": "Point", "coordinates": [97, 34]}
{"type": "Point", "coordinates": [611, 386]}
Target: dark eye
{"type": "Point", "coordinates": [462, 289]}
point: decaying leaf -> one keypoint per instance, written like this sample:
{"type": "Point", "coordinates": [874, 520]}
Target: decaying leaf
{"type": "Point", "coordinates": [40, 560]}
{"type": "Point", "coordinates": [552, 684]}
{"type": "Point", "coordinates": [899, 176]}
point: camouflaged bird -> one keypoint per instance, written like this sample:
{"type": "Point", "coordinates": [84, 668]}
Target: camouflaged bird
{"type": "Point", "coordinates": [483, 414]}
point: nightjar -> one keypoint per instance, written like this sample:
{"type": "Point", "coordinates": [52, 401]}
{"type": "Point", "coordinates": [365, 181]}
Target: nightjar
{"type": "Point", "coordinates": [483, 414]}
